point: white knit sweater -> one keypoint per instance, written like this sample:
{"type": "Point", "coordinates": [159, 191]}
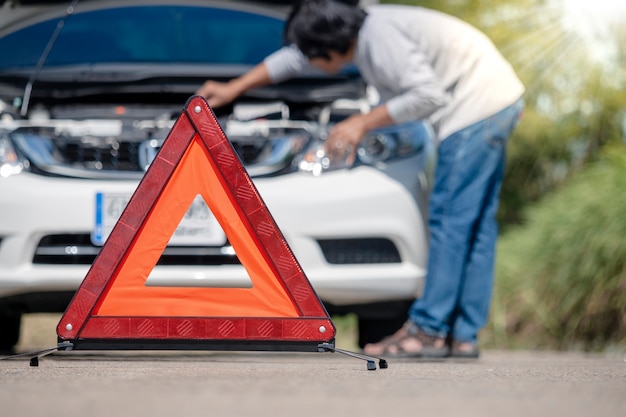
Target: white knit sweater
{"type": "Point", "coordinates": [425, 65]}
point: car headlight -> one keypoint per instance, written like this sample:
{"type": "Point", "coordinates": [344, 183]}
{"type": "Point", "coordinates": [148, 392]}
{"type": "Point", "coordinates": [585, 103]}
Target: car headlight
{"type": "Point", "coordinates": [314, 160]}
{"type": "Point", "coordinates": [10, 163]}
{"type": "Point", "coordinates": [378, 147]}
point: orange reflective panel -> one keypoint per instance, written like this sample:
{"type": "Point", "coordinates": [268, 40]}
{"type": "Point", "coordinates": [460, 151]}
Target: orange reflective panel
{"type": "Point", "coordinates": [129, 296]}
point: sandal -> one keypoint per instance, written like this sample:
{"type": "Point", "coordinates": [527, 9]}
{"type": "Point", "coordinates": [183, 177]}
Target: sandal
{"type": "Point", "coordinates": [409, 342]}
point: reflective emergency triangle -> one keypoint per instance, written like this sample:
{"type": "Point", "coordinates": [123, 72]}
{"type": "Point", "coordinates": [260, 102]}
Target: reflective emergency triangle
{"type": "Point", "coordinates": [113, 307]}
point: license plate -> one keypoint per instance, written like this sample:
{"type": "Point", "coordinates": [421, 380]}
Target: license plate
{"type": "Point", "coordinates": [198, 227]}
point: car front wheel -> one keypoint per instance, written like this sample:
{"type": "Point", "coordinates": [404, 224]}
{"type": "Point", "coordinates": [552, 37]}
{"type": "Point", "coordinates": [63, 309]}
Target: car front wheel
{"type": "Point", "coordinates": [9, 331]}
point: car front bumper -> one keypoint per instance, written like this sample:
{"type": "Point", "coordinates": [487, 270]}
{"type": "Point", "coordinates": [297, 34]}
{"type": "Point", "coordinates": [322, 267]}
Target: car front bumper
{"type": "Point", "coordinates": [355, 204]}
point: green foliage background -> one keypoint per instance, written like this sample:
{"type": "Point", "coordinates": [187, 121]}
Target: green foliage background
{"type": "Point", "coordinates": [561, 277]}
{"type": "Point", "coordinates": [561, 274]}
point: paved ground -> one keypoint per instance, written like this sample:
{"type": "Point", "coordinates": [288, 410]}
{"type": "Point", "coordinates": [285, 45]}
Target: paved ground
{"type": "Point", "coordinates": [169, 384]}
{"type": "Point", "coordinates": [172, 384]}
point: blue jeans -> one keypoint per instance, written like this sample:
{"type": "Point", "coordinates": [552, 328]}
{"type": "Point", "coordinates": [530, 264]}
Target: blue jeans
{"type": "Point", "coordinates": [464, 229]}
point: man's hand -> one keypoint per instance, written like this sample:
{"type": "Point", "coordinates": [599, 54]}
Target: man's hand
{"type": "Point", "coordinates": [217, 94]}
{"type": "Point", "coordinates": [344, 138]}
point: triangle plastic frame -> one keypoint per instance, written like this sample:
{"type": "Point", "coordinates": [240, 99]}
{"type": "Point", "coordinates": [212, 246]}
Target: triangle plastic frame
{"type": "Point", "coordinates": [114, 309]}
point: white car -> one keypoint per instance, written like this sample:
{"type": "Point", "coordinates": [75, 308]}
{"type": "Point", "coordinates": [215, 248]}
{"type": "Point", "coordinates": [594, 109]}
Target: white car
{"type": "Point", "coordinates": [85, 105]}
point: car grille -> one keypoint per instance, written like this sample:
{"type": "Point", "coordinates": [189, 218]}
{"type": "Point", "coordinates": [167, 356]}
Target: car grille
{"type": "Point", "coordinates": [359, 251]}
{"type": "Point", "coordinates": [122, 156]}
{"type": "Point", "coordinates": [77, 249]}
{"type": "Point", "coordinates": [127, 156]}
{"type": "Point", "coordinates": [106, 157]}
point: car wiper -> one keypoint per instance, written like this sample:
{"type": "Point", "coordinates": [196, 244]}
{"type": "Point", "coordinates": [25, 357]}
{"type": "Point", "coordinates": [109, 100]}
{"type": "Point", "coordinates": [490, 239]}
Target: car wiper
{"type": "Point", "coordinates": [42, 59]}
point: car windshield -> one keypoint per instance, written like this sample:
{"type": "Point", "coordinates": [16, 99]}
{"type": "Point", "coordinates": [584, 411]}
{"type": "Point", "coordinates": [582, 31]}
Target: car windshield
{"type": "Point", "coordinates": [147, 34]}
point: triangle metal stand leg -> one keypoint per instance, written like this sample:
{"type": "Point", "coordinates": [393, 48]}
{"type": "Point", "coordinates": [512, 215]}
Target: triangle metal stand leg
{"type": "Point", "coordinates": [371, 360]}
{"type": "Point", "coordinates": [35, 356]}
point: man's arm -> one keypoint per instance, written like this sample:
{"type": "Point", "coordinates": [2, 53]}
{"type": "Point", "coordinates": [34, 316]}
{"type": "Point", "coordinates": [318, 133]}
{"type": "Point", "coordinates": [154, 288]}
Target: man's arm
{"type": "Point", "coordinates": [219, 94]}
{"type": "Point", "coordinates": [278, 66]}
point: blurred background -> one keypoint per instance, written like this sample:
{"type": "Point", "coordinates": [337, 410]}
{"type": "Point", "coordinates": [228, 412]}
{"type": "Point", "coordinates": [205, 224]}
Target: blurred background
{"type": "Point", "coordinates": [561, 265]}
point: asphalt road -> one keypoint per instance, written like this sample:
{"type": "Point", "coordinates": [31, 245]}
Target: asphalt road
{"type": "Point", "coordinates": [142, 384]}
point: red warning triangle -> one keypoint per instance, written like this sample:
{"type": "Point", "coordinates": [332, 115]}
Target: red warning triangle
{"type": "Point", "coordinates": [113, 307]}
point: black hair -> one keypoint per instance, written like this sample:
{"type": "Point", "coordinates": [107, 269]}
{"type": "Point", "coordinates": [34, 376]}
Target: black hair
{"type": "Point", "coordinates": [319, 26]}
